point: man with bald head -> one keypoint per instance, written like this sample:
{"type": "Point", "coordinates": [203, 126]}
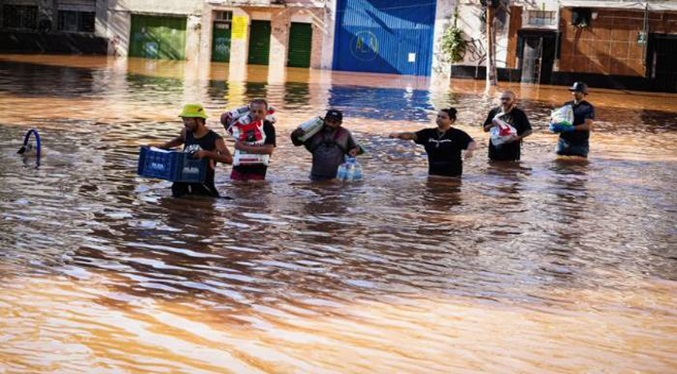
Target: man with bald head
{"type": "Point", "coordinates": [510, 114]}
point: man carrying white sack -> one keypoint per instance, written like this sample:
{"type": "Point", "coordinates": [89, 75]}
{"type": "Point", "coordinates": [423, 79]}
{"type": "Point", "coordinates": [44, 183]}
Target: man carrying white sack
{"type": "Point", "coordinates": [507, 113]}
{"type": "Point", "coordinates": [575, 140]}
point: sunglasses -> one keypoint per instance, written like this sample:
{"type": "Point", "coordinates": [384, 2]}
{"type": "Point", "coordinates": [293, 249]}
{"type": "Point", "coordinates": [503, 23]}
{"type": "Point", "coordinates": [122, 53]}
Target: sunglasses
{"type": "Point", "coordinates": [505, 99]}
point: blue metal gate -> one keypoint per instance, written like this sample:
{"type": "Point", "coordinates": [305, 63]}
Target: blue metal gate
{"type": "Point", "coordinates": [385, 36]}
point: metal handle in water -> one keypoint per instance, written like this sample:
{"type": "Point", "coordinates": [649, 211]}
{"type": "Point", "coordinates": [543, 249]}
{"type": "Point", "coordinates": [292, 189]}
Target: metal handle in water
{"type": "Point", "coordinates": [38, 146]}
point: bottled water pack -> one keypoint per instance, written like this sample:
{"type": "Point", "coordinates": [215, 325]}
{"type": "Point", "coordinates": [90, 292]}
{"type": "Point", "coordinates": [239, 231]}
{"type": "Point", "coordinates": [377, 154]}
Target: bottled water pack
{"type": "Point", "coordinates": [350, 170]}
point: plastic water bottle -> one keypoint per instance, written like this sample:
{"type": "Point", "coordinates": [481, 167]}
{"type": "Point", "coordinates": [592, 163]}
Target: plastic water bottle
{"type": "Point", "coordinates": [350, 170]}
{"type": "Point", "coordinates": [357, 174]}
{"type": "Point", "coordinates": [341, 173]}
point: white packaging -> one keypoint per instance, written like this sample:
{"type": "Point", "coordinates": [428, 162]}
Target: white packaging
{"type": "Point", "coordinates": [243, 158]}
{"type": "Point", "coordinates": [310, 128]}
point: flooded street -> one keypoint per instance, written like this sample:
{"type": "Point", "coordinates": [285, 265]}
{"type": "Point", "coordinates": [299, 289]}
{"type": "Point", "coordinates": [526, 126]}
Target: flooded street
{"type": "Point", "coordinates": [544, 266]}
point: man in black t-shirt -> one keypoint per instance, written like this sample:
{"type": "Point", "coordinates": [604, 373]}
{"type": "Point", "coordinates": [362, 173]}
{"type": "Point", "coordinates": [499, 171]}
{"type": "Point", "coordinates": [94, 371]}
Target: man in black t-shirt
{"type": "Point", "coordinates": [510, 114]}
{"type": "Point", "coordinates": [202, 142]}
{"type": "Point", "coordinates": [260, 141]}
{"type": "Point", "coordinates": [576, 141]}
{"type": "Point", "coordinates": [442, 144]}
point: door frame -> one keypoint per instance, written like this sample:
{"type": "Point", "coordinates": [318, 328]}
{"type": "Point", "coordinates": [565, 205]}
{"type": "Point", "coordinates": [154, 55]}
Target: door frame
{"type": "Point", "coordinates": [546, 66]}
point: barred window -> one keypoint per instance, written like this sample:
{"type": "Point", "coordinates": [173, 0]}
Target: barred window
{"type": "Point", "coordinates": [76, 21]}
{"type": "Point", "coordinates": [20, 16]}
{"type": "Point", "coordinates": [223, 15]}
{"type": "Point", "coordinates": [542, 18]}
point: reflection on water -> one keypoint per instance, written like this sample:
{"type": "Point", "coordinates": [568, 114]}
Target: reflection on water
{"type": "Point", "coordinates": [544, 265]}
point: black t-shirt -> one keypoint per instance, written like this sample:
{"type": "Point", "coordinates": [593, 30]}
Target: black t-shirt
{"type": "Point", "coordinates": [444, 150]}
{"type": "Point", "coordinates": [582, 111]}
{"type": "Point", "coordinates": [206, 143]}
{"type": "Point", "coordinates": [510, 151]}
{"type": "Point", "coordinates": [269, 130]}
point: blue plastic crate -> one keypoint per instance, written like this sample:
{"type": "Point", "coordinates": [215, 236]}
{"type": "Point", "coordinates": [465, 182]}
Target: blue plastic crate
{"type": "Point", "coordinates": [171, 165]}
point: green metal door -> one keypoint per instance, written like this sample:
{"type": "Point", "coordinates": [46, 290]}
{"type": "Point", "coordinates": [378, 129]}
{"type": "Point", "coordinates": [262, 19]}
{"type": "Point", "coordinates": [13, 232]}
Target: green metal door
{"type": "Point", "coordinates": [158, 37]}
{"type": "Point", "coordinates": [221, 42]}
{"type": "Point", "coordinates": [259, 43]}
{"type": "Point", "coordinates": [300, 42]}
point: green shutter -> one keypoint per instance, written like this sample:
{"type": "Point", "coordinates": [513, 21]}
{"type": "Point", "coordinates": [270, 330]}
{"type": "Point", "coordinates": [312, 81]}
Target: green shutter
{"type": "Point", "coordinates": [259, 43]}
{"type": "Point", "coordinates": [221, 42]}
{"type": "Point", "coordinates": [300, 42]}
{"type": "Point", "coordinates": [158, 37]}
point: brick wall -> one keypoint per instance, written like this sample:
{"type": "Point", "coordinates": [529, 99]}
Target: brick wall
{"type": "Point", "coordinates": [609, 45]}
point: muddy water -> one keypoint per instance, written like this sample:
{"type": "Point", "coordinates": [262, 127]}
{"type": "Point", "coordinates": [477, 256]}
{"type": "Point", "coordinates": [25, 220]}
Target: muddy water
{"type": "Point", "coordinates": [544, 266]}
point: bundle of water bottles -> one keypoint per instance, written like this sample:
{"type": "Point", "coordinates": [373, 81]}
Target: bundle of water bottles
{"type": "Point", "coordinates": [350, 170]}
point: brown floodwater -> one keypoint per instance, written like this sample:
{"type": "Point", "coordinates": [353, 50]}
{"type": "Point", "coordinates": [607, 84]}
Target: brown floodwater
{"type": "Point", "coordinates": [542, 266]}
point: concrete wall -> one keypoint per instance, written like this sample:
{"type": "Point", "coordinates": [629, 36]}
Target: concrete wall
{"type": "Point", "coordinates": [173, 7]}
{"type": "Point", "coordinates": [328, 31]}
{"type": "Point", "coordinates": [469, 22]}
{"type": "Point", "coordinates": [281, 19]}
{"type": "Point", "coordinates": [119, 21]}
{"type": "Point", "coordinates": [314, 16]}
{"type": "Point", "coordinates": [444, 18]}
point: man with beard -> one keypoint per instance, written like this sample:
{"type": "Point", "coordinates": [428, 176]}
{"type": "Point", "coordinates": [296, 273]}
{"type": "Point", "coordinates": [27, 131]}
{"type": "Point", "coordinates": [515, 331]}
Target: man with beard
{"type": "Point", "coordinates": [513, 116]}
{"type": "Point", "coordinates": [328, 147]}
{"type": "Point", "coordinates": [202, 142]}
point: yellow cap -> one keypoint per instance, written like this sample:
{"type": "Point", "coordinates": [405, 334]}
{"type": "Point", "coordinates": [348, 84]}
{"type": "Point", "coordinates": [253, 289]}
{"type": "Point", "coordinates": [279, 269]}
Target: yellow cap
{"type": "Point", "coordinates": [193, 110]}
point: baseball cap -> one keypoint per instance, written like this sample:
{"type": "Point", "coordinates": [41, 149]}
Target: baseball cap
{"type": "Point", "coordinates": [334, 114]}
{"type": "Point", "coordinates": [579, 87]}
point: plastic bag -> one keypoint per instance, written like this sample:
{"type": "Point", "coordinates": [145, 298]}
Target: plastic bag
{"type": "Point", "coordinates": [561, 119]}
{"type": "Point", "coordinates": [350, 170]}
{"type": "Point", "coordinates": [251, 132]}
{"type": "Point", "coordinates": [502, 132]}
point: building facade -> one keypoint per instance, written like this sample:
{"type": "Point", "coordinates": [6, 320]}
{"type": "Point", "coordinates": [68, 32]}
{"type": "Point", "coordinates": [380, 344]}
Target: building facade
{"type": "Point", "coordinates": [62, 26]}
{"type": "Point", "coordinates": [612, 43]}
{"type": "Point", "coordinates": [264, 32]}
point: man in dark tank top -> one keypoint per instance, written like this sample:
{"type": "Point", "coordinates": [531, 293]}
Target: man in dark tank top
{"type": "Point", "coordinates": [203, 143]}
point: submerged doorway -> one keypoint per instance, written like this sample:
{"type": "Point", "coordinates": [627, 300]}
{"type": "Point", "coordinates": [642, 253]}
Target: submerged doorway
{"type": "Point", "coordinates": [662, 61]}
{"type": "Point", "coordinates": [259, 43]}
{"type": "Point", "coordinates": [536, 49]}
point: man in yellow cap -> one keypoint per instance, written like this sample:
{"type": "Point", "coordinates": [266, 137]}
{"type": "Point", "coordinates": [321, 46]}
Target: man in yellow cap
{"type": "Point", "coordinates": [202, 142]}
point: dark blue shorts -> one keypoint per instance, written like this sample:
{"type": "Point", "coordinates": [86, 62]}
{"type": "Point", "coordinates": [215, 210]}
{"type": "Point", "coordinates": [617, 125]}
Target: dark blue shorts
{"type": "Point", "coordinates": [565, 148]}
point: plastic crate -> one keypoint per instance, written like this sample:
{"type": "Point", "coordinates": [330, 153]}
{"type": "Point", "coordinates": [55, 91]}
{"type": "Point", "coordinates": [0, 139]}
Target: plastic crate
{"type": "Point", "coordinates": [171, 165]}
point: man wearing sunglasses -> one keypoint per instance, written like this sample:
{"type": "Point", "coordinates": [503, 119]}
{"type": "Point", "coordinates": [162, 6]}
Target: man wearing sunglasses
{"type": "Point", "coordinates": [515, 117]}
